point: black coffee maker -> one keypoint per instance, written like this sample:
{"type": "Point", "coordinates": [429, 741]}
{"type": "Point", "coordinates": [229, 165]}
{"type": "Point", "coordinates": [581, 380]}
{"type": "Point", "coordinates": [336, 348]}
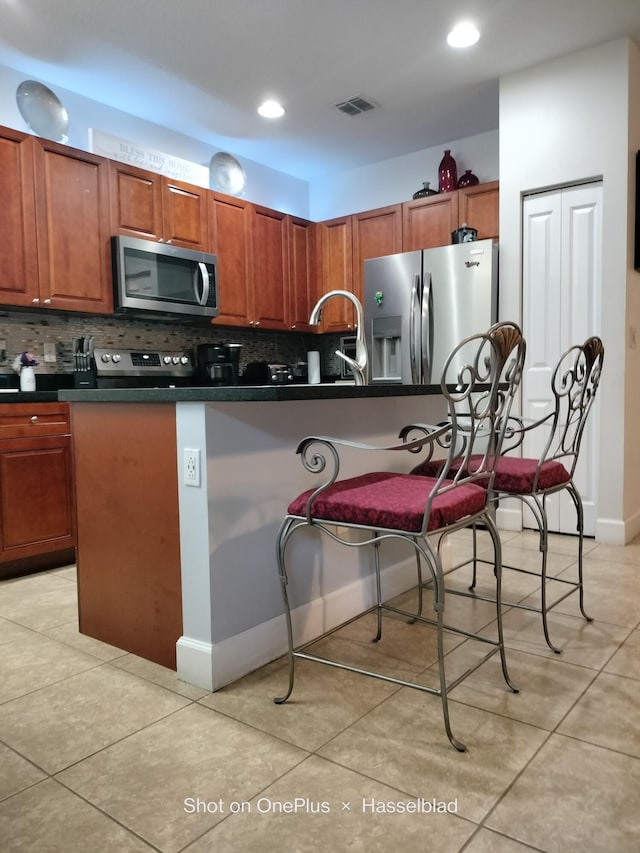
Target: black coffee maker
{"type": "Point", "coordinates": [218, 363]}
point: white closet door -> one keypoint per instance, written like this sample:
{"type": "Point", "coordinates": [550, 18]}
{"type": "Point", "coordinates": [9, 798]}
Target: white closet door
{"type": "Point", "coordinates": [562, 239]}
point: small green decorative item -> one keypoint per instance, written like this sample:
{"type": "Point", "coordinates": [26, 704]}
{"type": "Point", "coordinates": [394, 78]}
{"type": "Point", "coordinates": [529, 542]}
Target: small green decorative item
{"type": "Point", "coordinates": [379, 297]}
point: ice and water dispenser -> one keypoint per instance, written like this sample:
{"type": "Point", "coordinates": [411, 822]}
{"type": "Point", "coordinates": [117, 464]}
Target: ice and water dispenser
{"type": "Point", "coordinates": [385, 355]}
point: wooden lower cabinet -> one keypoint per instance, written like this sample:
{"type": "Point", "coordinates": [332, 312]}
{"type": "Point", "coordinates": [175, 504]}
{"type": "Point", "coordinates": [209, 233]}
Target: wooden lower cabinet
{"type": "Point", "coordinates": [36, 486]}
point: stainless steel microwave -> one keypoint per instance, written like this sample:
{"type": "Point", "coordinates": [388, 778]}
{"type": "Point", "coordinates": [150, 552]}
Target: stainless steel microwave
{"type": "Point", "coordinates": [163, 279]}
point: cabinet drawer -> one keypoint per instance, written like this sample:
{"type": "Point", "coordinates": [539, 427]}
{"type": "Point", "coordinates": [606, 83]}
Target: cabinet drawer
{"type": "Point", "coordinates": [30, 420]}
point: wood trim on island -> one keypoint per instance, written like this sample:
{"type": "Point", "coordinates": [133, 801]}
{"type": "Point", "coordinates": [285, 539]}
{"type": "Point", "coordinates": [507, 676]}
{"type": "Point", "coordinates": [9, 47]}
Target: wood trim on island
{"type": "Point", "coordinates": [129, 586]}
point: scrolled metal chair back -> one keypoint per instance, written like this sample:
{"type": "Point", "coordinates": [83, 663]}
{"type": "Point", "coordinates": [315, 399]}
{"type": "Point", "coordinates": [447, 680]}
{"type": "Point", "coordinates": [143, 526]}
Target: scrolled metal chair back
{"type": "Point", "coordinates": [479, 381]}
{"type": "Point", "coordinates": [574, 384]}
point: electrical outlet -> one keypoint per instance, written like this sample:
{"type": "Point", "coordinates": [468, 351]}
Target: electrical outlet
{"type": "Point", "coordinates": [50, 352]}
{"type": "Point", "coordinates": [191, 461]}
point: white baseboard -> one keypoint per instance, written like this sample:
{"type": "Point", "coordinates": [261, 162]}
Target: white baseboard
{"type": "Point", "coordinates": [613, 531]}
{"type": "Point", "coordinates": [211, 666]}
{"type": "Point", "coordinates": [509, 518]}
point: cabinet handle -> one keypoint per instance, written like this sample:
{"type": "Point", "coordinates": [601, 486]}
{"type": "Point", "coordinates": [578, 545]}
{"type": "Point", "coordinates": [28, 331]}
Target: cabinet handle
{"type": "Point", "coordinates": [47, 301]}
{"type": "Point", "coordinates": [35, 301]}
{"type": "Point", "coordinates": [34, 419]}
{"type": "Point", "coordinates": [257, 323]}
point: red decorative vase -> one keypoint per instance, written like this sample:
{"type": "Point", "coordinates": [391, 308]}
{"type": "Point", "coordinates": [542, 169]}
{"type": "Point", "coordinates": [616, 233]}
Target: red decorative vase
{"type": "Point", "coordinates": [468, 180]}
{"type": "Point", "coordinates": [447, 173]}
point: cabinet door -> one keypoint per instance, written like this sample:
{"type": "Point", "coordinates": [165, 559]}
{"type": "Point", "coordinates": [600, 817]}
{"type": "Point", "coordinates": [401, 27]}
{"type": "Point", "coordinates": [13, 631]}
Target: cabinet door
{"type": "Point", "coordinates": [429, 222]}
{"type": "Point", "coordinates": [479, 208]}
{"type": "Point", "coordinates": [18, 261]}
{"type": "Point", "coordinates": [72, 215]}
{"type": "Point", "coordinates": [375, 233]}
{"type": "Point", "coordinates": [136, 201]}
{"type": "Point", "coordinates": [185, 215]}
{"type": "Point", "coordinates": [302, 272]}
{"type": "Point", "coordinates": [336, 237]}
{"type": "Point", "coordinates": [270, 269]}
{"type": "Point", "coordinates": [35, 520]}
{"type": "Point", "coordinates": [230, 229]}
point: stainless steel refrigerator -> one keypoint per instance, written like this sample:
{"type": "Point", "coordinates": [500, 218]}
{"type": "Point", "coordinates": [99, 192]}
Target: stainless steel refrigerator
{"type": "Point", "coordinates": [419, 305]}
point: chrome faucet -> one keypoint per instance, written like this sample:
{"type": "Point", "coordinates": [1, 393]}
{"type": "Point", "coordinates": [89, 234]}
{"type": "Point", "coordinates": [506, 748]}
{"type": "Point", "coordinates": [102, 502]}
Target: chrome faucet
{"type": "Point", "coordinates": [358, 364]}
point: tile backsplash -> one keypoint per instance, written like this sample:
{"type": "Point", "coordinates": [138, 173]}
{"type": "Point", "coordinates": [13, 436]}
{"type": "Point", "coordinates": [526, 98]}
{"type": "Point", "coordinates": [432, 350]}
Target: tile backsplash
{"type": "Point", "coordinates": [20, 331]}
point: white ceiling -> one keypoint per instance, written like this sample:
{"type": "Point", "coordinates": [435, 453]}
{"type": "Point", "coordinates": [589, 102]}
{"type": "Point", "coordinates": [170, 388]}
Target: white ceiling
{"type": "Point", "coordinates": [201, 67]}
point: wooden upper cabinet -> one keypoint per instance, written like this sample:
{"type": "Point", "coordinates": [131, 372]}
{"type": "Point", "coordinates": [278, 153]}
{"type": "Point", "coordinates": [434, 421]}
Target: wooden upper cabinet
{"type": "Point", "coordinates": [230, 238]}
{"type": "Point", "coordinates": [303, 291]}
{"type": "Point", "coordinates": [72, 220]}
{"type": "Point", "coordinates": [336, 267]}
{"type": "Point", "coordinates": [479, 208]}
{"type": "Point", "coordinates": [18, 261]}
{"type": "Point", "coordinates": [150, 206]}
{"type": "Point", "coordinates": [269, 245]}
{"type": "Point", "coordinates": [375, 233]}
{"type": "Point", "coordinates": [136, 202]}
{"type": "Point", "coordinates": [185, 215]}
{"type": "Point", "coordinates": [429, 222]}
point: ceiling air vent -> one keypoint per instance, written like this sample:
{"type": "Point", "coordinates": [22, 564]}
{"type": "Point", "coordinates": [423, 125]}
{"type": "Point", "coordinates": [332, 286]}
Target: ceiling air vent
{"type": "Point", "coordinates": [355, 106]}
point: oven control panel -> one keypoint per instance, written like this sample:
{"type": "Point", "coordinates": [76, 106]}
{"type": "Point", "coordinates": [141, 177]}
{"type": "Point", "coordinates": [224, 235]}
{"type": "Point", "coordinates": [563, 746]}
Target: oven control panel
{"type": "Point", "coordinates": [142, 363]}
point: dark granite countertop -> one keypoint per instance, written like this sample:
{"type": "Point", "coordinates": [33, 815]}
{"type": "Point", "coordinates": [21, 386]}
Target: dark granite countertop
{"type": "Point", "coordinates": [243, 393]}
{"type": "Point", "coordinates": [28, 397]}
{"type": "Point", "coordinates": [47, 387]}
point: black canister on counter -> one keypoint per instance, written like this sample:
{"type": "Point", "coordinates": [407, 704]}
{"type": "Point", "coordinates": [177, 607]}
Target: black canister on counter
{"type": "Point", "coordinates": [464, 234]}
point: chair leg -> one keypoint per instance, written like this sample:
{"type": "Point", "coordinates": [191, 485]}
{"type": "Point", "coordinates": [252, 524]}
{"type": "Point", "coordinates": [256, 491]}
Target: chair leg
{"type": "Point", "coordinates": [281, 542]}
{"type": "Point", "coordinates": [413, 620]}
{"type": "Point", "coordinates": [577, 500]}
{"type": "Point", "coordinates": [376, 559]}
{"type": "Point", "coordinates": [474, 558]}
{"type": "Point", "coordinates": [544, 548]}
{"type": "Point", "coordinates": [497, 550]}
{"type": "Point", "coordinates": [438, 605]}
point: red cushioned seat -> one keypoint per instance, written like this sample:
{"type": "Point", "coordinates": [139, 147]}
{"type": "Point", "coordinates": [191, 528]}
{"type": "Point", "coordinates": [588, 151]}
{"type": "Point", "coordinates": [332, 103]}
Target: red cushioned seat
{"type": "Point", "coordinates": [516, 476]}
{"type": "Point", "coordinates": [391, 501]}
{"type": "Point", "coordinates": [513, 475]}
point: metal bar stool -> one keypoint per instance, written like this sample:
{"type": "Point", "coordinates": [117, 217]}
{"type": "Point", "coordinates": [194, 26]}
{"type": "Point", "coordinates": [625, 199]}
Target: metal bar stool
{"type": "Point", "coordinates": [479, 382]}
{"type": "Point", "coordinates": [574, 384]}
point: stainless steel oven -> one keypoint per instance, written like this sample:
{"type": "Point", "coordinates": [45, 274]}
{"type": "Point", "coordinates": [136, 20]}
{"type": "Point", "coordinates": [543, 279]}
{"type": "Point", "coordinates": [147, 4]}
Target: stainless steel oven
{"type": "Point", "coordinates": [163, 279]}
{"type": "Point", "coordinates": [116, 368]}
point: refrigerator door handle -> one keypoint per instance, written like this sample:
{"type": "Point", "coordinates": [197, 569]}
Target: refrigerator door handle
{"type": "Point", "coordinates": [414, 319]}
{"type": "Point", "coordinates": [426, 330]}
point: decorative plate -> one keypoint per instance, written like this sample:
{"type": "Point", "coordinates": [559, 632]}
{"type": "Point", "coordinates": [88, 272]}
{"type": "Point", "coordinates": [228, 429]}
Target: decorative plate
{"type": "Point", "coordinates": [227, 175]}
{"type": "Point", "coordinates": [42, 110]}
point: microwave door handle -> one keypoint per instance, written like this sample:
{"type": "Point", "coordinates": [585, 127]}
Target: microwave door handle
{"type": "Point", "coordinates": [204, 275]}
{"type": "Point", "coordinates": [414, 306]}
{"type": "Point", "coordinates": [427, 329]}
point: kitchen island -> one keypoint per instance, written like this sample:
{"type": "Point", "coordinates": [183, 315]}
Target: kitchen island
{"type": "Point", "coordinates": [185, 575]}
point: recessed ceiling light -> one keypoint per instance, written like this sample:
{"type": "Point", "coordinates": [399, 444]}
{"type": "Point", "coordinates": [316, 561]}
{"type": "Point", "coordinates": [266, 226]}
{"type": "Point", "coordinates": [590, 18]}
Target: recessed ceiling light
{"type": "Point", "coordinates": [271, 109]}
{"type": "Point", "coordinates": [463, 34]}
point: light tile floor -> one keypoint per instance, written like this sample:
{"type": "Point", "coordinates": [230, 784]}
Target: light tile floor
{"type": "Point", "coordinates": [103, 751]}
